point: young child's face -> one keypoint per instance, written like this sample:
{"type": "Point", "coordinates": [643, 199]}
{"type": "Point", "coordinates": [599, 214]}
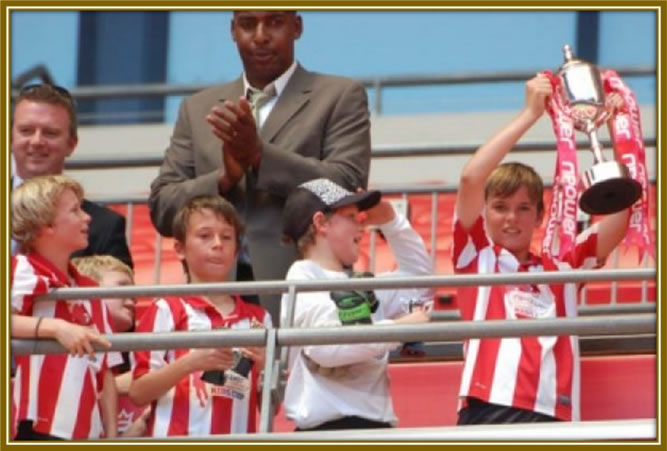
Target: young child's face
{"type": "Point", "coordinates": [121, 310]}
{"type": "Point", "coordinates": [70, 223]}
{"type": "Point", "coordinates": [344, 233]}
{"type": "Point", "coordinates": [511, 221]}
{"type": "Point", "coordinates": [209, 248]}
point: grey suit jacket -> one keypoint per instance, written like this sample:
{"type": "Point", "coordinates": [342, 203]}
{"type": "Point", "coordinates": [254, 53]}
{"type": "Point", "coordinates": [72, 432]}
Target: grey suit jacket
{"type": "Point", "coordinates": [319, 127]}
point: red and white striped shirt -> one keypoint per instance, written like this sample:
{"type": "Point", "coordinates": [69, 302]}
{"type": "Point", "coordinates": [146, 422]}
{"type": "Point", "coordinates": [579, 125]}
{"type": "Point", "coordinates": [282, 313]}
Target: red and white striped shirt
{"type": "Point", "coordinates": [180, 410]}
{"type": "Point", "coordinates": [540, 374]}
{"type": "Point", "coordinates": [58, 392]}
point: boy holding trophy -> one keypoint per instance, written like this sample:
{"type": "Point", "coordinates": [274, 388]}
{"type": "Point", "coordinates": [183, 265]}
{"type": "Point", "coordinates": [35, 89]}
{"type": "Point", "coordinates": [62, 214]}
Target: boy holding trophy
{"type": "Point", "coordinates": [498, 209]}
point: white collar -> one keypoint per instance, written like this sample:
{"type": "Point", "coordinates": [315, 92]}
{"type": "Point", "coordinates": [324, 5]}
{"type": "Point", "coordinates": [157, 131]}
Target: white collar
{"type": "Point", "coordinates": [279, 83]}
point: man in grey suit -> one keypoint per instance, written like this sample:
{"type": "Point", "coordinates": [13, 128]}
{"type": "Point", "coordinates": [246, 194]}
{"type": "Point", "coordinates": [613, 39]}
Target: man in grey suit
{"type": "Point", "coordinates": [305, 126]}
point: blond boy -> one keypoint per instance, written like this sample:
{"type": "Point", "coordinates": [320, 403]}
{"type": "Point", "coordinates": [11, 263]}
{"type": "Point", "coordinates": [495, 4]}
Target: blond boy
{"type": "Point", "coordinates": [108, 271]}
{"type": "Point", "coordinates": [57, 395]}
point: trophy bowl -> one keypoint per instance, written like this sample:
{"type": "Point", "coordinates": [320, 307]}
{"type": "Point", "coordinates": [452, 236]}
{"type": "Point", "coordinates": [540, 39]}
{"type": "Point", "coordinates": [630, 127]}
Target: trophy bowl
{"type": "Point", "coordinates": [608, 188]}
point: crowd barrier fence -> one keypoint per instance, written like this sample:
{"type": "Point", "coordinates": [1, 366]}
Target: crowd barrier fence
{"type": "Point", "coordinates": [275, 369]}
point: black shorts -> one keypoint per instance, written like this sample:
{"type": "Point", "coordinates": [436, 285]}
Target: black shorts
{"type": "Point", "coordinates": [482, 412]}
{"type": "Point", "coordinates": [349, 422]}
{"type": "Point", "coordinates": [25, 432]}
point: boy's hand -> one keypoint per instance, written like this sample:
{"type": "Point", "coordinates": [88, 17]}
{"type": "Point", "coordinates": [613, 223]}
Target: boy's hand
{"type": "Point", "coordinates": [538, 91]}
{"type": "Point", "coordinates": [139, 426]}
{"type": "Point", "coordinates": [614, 102]}
{"type": "Point", "coordinates": [380, 214]}
{"type": "Point", "coordinates": [211, 359]}
{"type": "Point", "coordinates": [418, 315]}
{"type": "Point", "coordinates": [78, 339]}
{"type": "Point", "coordinates": [257, 355]}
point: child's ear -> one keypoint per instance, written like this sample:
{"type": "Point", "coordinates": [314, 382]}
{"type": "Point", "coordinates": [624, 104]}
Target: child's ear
{"type": "Point", "coordinates": [47, 231]}
{"type": "Point", "coordinates": [319, 221]}
{"type": "Point", "coordinates": [540, 217]}
{"type": "Point", "coordinates": [179, 249]}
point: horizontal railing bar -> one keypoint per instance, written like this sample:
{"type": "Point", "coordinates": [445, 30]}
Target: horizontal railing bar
{"type": "Point", "coordinates": [421, 150]}
{"type": "Point", "coordinates": [134, 341]}
{"type": "Point", "coordinates": [594, 345]}
{"type": "Point", "coordinates": [94, 92]}
{"type": "Point", "coordinates": [281, 286]}
{"type": "Point", "coordinates": [599, 325]}
{"type": "Point", "coordinates": [476, 77]}
{"type": "Point", "coordinates": [584, 310]}
{"type": "Point", "coordinates": [381, 151]}
{"type": "Point", "coordinates": [624, 430]}
{"type": "Point", "coordinates": [439, 188]}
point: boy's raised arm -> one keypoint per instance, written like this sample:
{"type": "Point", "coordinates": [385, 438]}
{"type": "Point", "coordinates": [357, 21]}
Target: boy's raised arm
{"type": "Point", "coordinates": [470, 198]}
{"type": "Point", "coordinates": [611, 231]}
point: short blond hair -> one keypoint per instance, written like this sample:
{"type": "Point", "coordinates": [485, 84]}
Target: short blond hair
{"type": "Point", "coordinates": [94, 266]}
{"type": "Point", "coordinates": [507, 178]}
{"type": "Point", "coordinates": [33, 206]}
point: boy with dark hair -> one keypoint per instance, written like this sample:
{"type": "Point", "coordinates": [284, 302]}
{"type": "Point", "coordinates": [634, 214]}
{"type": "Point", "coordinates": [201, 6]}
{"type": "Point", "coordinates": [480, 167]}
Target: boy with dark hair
{"type": "Point", "coordinates": [208, 235]}
{"type": "Point", "coordinates": [345, 386]}
{"type": "Point", "coordinates": [498, 209]}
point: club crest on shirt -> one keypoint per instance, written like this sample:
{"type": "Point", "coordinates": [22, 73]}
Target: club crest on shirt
{"type": "Point", "coordinates": [528, 304]}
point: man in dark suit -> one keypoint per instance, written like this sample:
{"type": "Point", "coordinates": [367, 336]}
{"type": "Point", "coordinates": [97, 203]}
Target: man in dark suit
{"type": "Point", "coordinates": [311, 125]}
{"type": "Point", "coordinates": [44, 134]}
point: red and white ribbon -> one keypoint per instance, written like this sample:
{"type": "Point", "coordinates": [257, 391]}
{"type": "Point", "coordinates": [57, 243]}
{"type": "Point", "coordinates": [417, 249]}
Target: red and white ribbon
{"type": "Point", "coordinates": [561, 228]}
{"type": "Point", "coordinates": [561, 231]}
{"type": "Point", "coordinates": [630, 151]}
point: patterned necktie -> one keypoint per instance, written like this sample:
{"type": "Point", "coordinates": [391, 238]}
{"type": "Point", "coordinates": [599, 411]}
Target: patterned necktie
{"type": "Point", "coordinates": [259, 98]}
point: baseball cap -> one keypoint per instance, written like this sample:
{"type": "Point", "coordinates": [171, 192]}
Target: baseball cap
{"type": "Point", "coordinates": [320, 195]}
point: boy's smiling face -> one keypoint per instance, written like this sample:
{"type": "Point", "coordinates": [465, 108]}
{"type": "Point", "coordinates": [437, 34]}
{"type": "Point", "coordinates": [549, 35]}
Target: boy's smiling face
{"type": "Point", "coordinates": [210, 247]}
{"type": "Point", "coordinates": [70, 224]}
{"type": "Point", "coordinates": [344, 232]}
{"type": "Point", "coordinates": [511, 221]}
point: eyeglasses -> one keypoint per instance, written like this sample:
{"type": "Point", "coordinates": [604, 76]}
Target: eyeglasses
{"type": "Point", "coordinates": [27, 89]}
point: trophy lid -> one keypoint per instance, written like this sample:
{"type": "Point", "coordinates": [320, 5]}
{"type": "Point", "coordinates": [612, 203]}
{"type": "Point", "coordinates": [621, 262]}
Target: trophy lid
{"type": "Point", "coordinates": [568, 58]}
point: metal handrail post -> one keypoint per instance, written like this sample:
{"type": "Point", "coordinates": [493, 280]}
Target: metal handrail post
{"type": "Point", "coordinates": [434, 228]}
{"type": "Point", "coordinates": [157, 261]}
{"type": "Point", "coordinates": [614, 284]}
{"type": "Point", "coordinates": [281, 375]}
{"type": "Point", "coordinates": [270, 365]}
{"type": "Point", "coordinates": [129, 222]}
{"type": "Point", "coordinates": [377, 87]}
{"type": "Point", "coordinates": [644, 296]}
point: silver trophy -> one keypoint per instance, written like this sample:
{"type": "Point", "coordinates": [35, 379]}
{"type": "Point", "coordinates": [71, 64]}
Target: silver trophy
{"type": "Point", "coordinates": [607, 186]}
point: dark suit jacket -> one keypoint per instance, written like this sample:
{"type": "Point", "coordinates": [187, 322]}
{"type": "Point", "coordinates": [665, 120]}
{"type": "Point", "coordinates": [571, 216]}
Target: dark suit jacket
{"type": "Point", "coordinates": [106, 233]}
{"type": "Point", "coordinates": [319, 127]}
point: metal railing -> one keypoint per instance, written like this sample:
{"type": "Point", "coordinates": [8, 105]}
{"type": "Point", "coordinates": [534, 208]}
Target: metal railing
{"type": "Point", "coordinates": [274, 370]}
{"type": "Point", "coordinates": [378, 151]}
{"type": "Point", "coordinates": [377, 84]}
{"type": "Point", "coordinates": [283, 286]}
{"type": "Point", "coordinates": [607, 431]}
{"type": "Point", "coordinates": [433, 189]}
